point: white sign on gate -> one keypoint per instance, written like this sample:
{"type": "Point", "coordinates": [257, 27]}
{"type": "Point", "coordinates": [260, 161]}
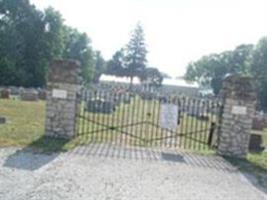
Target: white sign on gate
{"type": "Point", "coordinates": [168, 116]}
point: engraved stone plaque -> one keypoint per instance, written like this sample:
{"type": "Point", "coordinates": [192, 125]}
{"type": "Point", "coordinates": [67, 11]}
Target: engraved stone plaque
{"type": "Point", "coordinates": [239, 110]}
{"type": "Point", "coordinates": [61, 94]}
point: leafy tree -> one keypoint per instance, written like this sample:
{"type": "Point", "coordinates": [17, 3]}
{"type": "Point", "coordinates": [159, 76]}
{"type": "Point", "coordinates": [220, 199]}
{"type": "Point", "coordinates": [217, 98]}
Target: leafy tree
{"type": "Point", "coordinates": [116, 66]}
{"type": "Point", "coordinates": [30, 39]}
{"type": "Point", "coordinates": [100, 66]}
{"type": "Point", "coordinates": [78, 47]}
{"type": "Point", "coordinates": [152, 76]}
{"type": "Point", "coordinates": [210, 70]}
{"type": "Point", "coordinates": [22, 30]}
{"type": "Point", "coordinates": [259, 71]}
{"type": "Point", "coordinates": [135, 54]}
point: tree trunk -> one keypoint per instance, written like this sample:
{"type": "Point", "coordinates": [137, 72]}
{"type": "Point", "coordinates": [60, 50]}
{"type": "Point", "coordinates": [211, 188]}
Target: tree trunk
{"type": "Point", "coordinates": [131, 83]}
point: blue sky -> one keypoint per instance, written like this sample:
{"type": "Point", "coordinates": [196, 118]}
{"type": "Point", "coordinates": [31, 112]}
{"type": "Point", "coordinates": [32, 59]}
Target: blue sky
{"type": "Point", "coordinates": [176, 31]}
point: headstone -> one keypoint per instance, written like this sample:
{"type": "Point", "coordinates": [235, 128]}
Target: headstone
{"type": "Point", "coordinates": [29, 95]}
{"type": "Point", "coordinates": [5, 93]}
{"type": "Point", "coordinates": [100, 106]}
{"type": "Point", "coordinates": [258, 123]}
{"type": "Point", "coordinates": [2, 120]}
{"type": "Point", "coordinates": [42, 94]}
{"type": "Point", "coordinates": [14, 91]}
{"type": "Point", "coordinates": [255, 143]}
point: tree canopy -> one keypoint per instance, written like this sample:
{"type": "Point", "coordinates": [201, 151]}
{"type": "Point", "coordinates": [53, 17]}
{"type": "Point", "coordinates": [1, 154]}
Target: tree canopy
{"type": "Point", "coordinates": [135, 58]}
{"type": "Point", "coordinates": [210, 70]}
{"type": "Point", "coordinates": [30, 39]}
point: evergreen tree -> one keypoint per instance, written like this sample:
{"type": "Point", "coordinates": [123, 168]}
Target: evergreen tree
{"type": "Point", "coordinates": [135, 54]}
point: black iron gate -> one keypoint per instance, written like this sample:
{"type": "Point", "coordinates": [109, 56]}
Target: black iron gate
{"type": "Point", "coordinates": [147, 119]}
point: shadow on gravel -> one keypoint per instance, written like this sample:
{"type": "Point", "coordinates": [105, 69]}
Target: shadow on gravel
{"type": "Point", "coordinates": [168, 156]}
{"type": "Point", "coordinates": [37, 154]}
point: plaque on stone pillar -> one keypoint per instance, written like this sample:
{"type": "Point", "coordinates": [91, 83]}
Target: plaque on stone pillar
{"type": "Point", "coordinates": [61, 94]}
{"type": "Point", "coordinates": [239, 110]}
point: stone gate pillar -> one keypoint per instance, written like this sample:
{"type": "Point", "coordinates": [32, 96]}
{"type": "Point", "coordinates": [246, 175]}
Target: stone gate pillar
{"type": "Point", "coordinates": [239, 100]}
{"type": "Point", "coordinates": [63, 85]}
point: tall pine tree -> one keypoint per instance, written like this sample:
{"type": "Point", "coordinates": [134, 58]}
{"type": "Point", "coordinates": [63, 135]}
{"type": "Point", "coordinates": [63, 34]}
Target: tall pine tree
{"type": "Point", "coordinates": [135, 54]}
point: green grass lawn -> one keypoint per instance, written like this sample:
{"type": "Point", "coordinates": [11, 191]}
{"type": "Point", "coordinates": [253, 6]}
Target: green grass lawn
{"type": "Point", "coordinates": [25, 122]}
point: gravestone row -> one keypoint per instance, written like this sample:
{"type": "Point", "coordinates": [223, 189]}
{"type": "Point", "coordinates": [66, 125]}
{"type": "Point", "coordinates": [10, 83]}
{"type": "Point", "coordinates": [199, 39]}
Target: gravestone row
{"type": "Point", "coordinates": [25, 94]}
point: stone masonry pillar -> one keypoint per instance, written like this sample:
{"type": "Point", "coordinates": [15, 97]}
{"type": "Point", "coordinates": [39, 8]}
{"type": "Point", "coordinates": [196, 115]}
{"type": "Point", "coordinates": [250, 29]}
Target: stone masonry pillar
{"type": "Point", "coordinates": [239, 100]}
{"type": "Point", "coordinates": [63, 85]}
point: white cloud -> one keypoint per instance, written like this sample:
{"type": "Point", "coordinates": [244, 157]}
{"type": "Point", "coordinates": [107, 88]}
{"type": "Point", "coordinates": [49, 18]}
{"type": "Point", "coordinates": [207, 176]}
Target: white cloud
{"type": "Point", "coordinates": [177, 31]}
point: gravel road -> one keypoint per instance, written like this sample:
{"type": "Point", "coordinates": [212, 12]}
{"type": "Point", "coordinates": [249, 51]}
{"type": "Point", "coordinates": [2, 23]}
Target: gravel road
{"type": "Point", "coordinates": [108, 172]}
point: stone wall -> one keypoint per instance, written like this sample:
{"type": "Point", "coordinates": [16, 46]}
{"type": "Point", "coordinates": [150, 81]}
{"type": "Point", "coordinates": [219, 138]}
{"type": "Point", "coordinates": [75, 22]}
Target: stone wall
{"type": "Point", "coordinates": [239, 100]}
{"type": "Point", "coordinates": [62, 88]}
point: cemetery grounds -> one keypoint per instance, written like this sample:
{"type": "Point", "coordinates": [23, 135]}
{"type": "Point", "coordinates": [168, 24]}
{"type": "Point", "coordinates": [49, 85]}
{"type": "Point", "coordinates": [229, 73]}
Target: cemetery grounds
{"type": "Point", "coordinates": [25, 128]}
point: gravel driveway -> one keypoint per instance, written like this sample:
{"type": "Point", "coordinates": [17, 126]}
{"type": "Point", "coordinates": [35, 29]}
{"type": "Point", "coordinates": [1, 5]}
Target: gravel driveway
{"type": "Point", "coordinates": [109, 172]}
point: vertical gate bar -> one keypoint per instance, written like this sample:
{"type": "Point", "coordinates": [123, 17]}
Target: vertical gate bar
{"type": "Point", "coordinates": [122, 119]}
{"type": "Point", "coordinates": [171, 138]}
{"type": "Point", "coordinates": [128, 119]}
{"type": "Point", "coordinates": [113, 130]}
{"type": "Point", "coordinates": [157, 119]}
{"type": "Point", "coordinates": [90, 95]}
{"type": "Point", "coordinates": [135, 118]}
{"type": "Point", "coordinates": [196, 122]}
{"type": "Point", "coordinates": [109, 117]}
{"type": "Point", "coordinates": [142, 116]}
{"type": "Point", "coordinates": [116, 122]}
{"type": "Point", "coordinates": [161, 130]}
{"type": "Point", "coordinates": [199, 122]}
{"type": "Point", "coordinates": [182, 117]}
{"type": "Point", "coordinates": [185, 120]}
{"type": "Point", "coordinates": [166, 131]}
{"type": "Point", "coordinates": [106, 115]}
{"type": "Point", "coordinates": [202, 133]}
{"type": "Point", "coordinates": [148, 134]}
{"type": "Point", "coordinates": [190, 125]}
{"type": "Point", "coordinates": [208, 121]}
{"type": "Point", "coordinates": [176, 137]}
{"type": "Point", "coordinates": [102, 116]}
{"type": "Point", "coordinates": [106, 108]}
{"type": "Point", "coordinates": [152, 118]}
{"type": "Point", "coordinates": [134, 112]}
{"type": "Point", "coordinates": [188, 121]}
{"type": "Point", "coordinates": [138, 107]}
{"type": "Point", "coordinates": [97, 118]}
{"type": "Point", "coordinates": [213, 109]}
{"type": "Point", "coordinates": [78, 99]}
{"type": "Point", "coordinates": [83, 117]}
{"type": "Point", "coordinates": [151, 121]}
{"type": "Point", "coordinates": [87, 135]}
{"type": "Point", "coordinates": [145, 119]}
{"type": "Point", "coordinates": [92, 114]}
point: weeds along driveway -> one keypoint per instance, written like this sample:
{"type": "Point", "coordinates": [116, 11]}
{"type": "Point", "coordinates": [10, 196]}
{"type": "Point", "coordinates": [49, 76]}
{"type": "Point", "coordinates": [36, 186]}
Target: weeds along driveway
{"type": "Point", "coordinates": [109, 172]}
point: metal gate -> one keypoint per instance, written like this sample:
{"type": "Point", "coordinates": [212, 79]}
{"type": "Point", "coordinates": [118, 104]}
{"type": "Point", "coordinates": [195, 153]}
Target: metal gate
{"type": "Point", "coordinates": [147, 119]}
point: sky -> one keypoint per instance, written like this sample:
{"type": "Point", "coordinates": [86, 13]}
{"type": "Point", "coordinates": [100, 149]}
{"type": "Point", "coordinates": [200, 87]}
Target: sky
{"type": "Point", "coordinates": [176, 31]}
